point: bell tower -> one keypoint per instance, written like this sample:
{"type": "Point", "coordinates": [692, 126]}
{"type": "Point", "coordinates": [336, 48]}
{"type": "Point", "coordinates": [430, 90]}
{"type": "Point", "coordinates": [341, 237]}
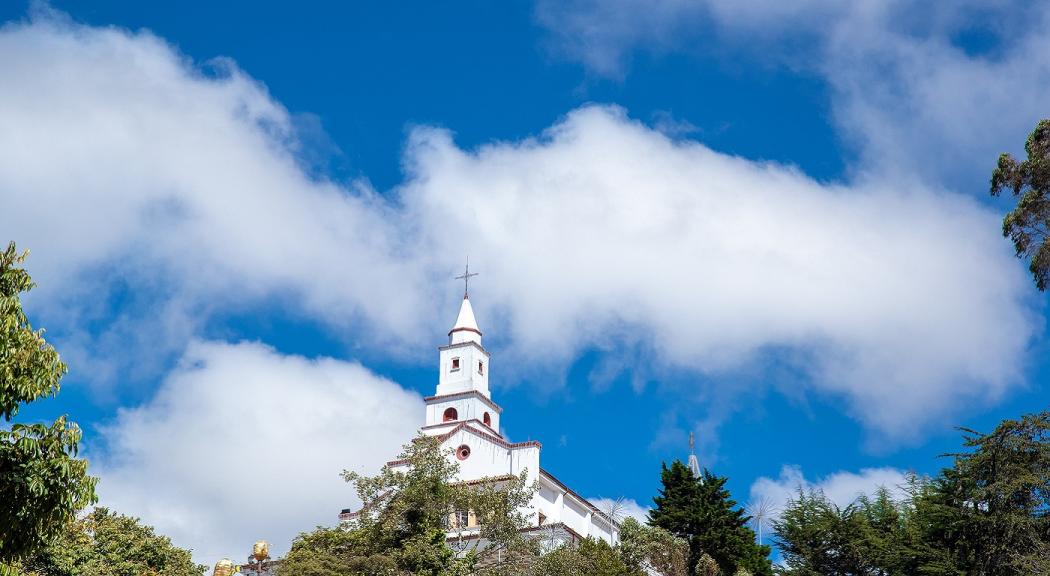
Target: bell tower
{"type": "Point", "coordinates": [463, 382]}
{"type": "Point", "coordinates": [464, 361]}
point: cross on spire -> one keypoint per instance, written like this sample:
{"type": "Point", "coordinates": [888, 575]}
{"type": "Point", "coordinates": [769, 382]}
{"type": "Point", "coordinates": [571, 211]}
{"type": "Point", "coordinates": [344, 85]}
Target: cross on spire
{"type": "Point", "coordinates": [465, 277]}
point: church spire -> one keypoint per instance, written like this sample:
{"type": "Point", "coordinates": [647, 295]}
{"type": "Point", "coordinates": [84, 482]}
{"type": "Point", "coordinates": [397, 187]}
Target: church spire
{"type": "Point", "coordinates": [694, 462]}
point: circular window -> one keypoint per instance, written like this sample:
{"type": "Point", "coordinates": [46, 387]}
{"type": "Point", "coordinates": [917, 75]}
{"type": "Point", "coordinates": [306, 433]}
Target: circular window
{"type": "Point", "coordinates": [463, 452]}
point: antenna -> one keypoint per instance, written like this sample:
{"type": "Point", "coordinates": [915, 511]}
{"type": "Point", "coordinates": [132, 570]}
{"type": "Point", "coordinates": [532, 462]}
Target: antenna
{"type": "Point", "coordinates": [761, 511]}
{"type": "Point", "coordinates": [694, 462]}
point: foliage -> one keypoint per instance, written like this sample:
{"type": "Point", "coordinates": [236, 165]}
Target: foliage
{"type": "Point", "coordinates": [653, 550]}
{"type": "Point", "coordinates": [405, 516]}
{"type": "Point", "coordinates": [1028, 225]}
{"type": "Point", "coordinates": [992, 507]}
{"type": "Point", "coordinates": [588, 557]}
{"type": "Point", "coordinates": [707, 566]}
{"type": "Point", "coordinates": [335, 552]}
{"type": "Point", "coordinates": [42, 482]}
{"type": "Point", "coordinates": [816, 537]}
{"type": "Point", "coordinates": [702, 511]}
{"type": "Point", "coordinates": [988, 514]}
{"type": "Point", "coordinates": [105, 543]}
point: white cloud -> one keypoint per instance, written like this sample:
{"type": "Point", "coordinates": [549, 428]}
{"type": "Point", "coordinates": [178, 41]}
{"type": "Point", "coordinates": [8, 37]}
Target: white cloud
{"type": "Point", "coordinates": [622, 508]}
{"type": "Point", "coordinates": [842, 488]}
{"type": "Point", "coordinates": [139, 179]}
{"type": "Point", "coordinates": [241, 443]}
{"type": "Point", "coordinates": [601, 33]}
{"type": "Point", "coordinates": [132, 174]}
{"type": "Point", "coordinates": [916, 99]}
{"type": "Point", "coordinates": [604, 231]}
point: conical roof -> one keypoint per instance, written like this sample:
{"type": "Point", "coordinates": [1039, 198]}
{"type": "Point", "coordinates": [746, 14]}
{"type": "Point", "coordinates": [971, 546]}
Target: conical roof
{"type": "Point", "coordinates": [465, 325]}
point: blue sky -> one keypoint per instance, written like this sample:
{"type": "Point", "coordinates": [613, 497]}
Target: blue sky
{"type": "Point", "coordinates": [765, 224]}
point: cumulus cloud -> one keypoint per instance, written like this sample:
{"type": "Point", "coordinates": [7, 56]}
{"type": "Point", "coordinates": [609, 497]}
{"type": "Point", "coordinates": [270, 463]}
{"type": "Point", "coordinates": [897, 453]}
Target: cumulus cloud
{"type": "Point", "coordinates": [144, 182]}
{"type": "Point", "coordinates": [922, 90]}
{"type": "Point", "coordinates": [604, 231]}
{"type": "Point", "coordinates": [842, 488]}
{"type": "Point", "coordinates": [175, 191]}
{"type": "Point", "coordinates": [241, 443]}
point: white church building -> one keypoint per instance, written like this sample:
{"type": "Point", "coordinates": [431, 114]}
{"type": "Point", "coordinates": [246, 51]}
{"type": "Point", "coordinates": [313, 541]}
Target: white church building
{"type": "Point", "coordinates": [464, 418]}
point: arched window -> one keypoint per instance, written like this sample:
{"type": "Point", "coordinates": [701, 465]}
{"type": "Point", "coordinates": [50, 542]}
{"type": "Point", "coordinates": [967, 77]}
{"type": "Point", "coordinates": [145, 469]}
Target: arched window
{"type": "Point", "coordinates": [487, 420]}
{"type": "Point", "coordinates": [450, 415]}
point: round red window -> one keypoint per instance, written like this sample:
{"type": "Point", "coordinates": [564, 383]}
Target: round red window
{"type": "Point", "coordinates": [463, 452]}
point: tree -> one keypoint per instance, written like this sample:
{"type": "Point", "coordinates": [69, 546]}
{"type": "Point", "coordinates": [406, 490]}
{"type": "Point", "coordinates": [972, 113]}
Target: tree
{"type": "Point", "coordinates": [648, 549]}
{"type": "Point", "coordinates": [988, 514]}
{"type": "Point", "coordinates": [406, 515]}
{"type": "Point", "coordinates": [1028, 224]}
{"type": "Point", "coordinates": [588, 557]}
{"type": "Point", "coordinates": [42, 482]}
{"type": "Point", "coordinates": [336, 552]}
{"type": "Point", "coordinates": [702, 511]}
{"type": "Point", "coordinates": [817, 538]}
{"type": "Point", "coordinates": [104, 543]}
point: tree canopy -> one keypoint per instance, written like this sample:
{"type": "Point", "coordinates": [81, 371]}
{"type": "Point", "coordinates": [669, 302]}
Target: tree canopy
{"type": "Point", "coordinates": [42, 482]}
{"type": "Point", "coordinates": [1028, 224]}
{"type": "Point", "coordinates": [104, 543]}
{"type": "Point", "coordinates": [702, 512]}
{"type": "Point", "coordinates": [406, 515]}
{"type": "Point", "coordinates": [988, 514]}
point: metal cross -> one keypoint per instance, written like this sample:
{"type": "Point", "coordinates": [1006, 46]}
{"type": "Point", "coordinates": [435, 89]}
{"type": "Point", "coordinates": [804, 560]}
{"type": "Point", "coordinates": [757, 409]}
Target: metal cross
{"type": "Point", "coordinates": [465, 277]}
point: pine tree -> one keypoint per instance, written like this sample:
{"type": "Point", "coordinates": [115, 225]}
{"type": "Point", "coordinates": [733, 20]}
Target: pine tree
{"type": "Point", "coordinates": [702, 511]}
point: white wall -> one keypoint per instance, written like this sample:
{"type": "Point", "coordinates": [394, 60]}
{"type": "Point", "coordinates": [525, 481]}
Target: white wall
{"type": "Point", "coordinates": [467, 377]}
{"type": "Point", "coordinates": [466, 408]}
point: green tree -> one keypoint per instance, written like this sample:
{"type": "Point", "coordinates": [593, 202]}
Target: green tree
{"type": "Point", "coordinates": [817, 538]}
{"type": "Point", "coordinates": [648, 549]}
{"type": "Point", "coordinates": [702, 512]}
{"type": "Point", "coordinates": [588, 557]}
{"type": "Point", "coordinates": [988, 515]}
{"type": "Point", "coordinates": [990, 511]}
{"type": "Point", "coordinates": [405, 518]}
{"type": "Point", "coordinates": [1028, 224]}
{"type": "Point", "coordinates": [336, 552]}
{"type": "Point", "coordinates": [105, 543]}
{"type": "Point", "coordinates": [42, 482]}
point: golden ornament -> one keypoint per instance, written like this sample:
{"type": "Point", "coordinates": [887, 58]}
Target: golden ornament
{"type": "Point", "coordinates": [261, 550]}
{"type": "Point", "coordinates": [223, 567]}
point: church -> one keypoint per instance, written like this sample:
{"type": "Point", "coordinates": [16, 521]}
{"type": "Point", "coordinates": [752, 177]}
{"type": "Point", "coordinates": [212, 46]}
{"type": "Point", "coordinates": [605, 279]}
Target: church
{"type": "Point", "coordinates": [463, 417]}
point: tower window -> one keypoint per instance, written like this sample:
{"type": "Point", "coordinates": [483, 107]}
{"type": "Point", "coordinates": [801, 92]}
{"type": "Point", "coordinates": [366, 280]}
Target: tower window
{"type": "Point", "coordinates": [463, 452]}
{"type": "Point", "coordinates": [455, 364]}
{"type": "Point", "coordinates": [487, 420]}
{"type": "Point", "coordinates": [450, 415]}
{"type": "Point", "coordinates": [481, 367]}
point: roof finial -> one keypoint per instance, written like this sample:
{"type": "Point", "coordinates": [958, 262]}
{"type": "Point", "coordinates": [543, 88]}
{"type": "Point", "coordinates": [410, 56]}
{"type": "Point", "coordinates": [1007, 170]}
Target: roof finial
{"type": "Point", "coordinates": [465, 277]}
